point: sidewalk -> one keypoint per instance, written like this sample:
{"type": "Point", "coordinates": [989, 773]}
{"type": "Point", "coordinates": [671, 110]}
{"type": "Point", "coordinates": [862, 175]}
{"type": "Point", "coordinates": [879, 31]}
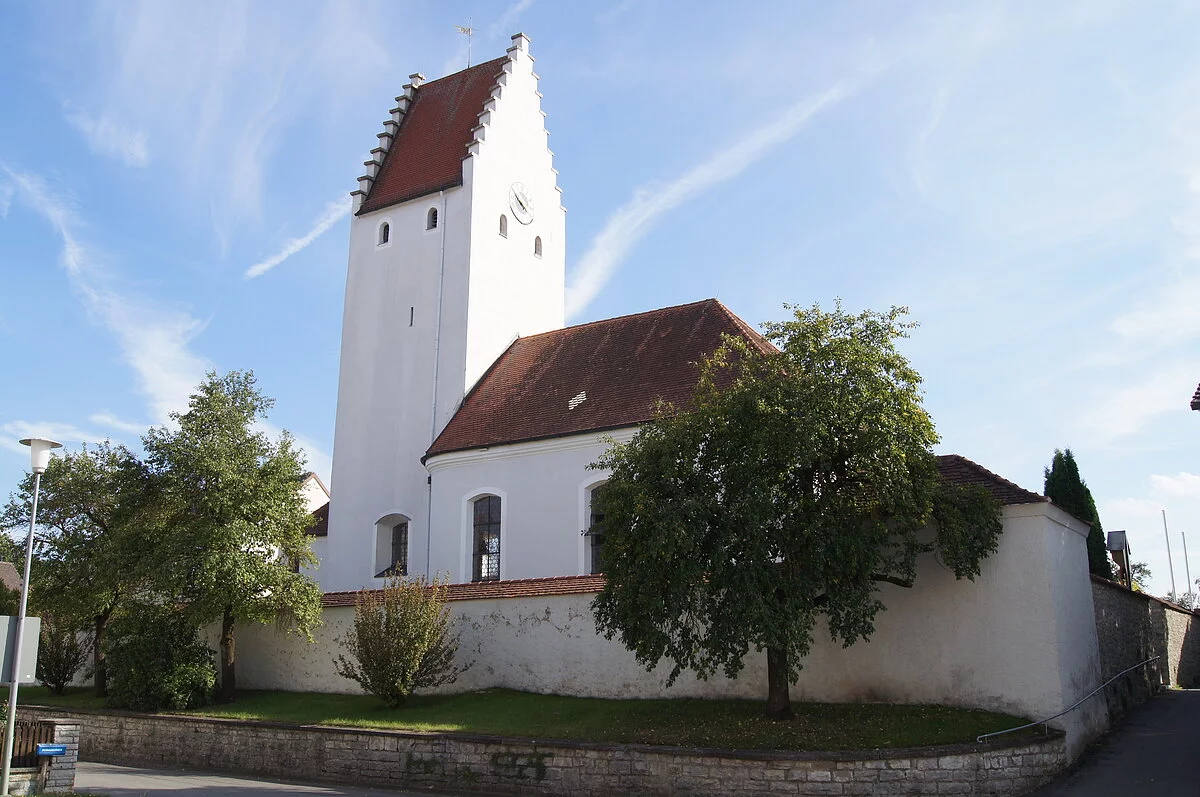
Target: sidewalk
{"type": "Point", "coordinates": [1156, 751]}
{"type": "Point", "coordinates": [91, 778]}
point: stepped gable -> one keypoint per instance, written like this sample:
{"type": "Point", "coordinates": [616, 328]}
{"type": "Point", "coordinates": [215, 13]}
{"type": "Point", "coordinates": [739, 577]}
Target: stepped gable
{"type": "Point", "coordinates": [422, 150]}
{"type": "Point", "coordinates": [956, 469]}
{"type": "Point", "coordinates": [1196, 399]}
{"type": "Point", "coordinates": [592, 377]}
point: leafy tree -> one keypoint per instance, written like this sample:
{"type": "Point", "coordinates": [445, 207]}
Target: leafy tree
{"type": "Point", "coordinates": [1139, 574]}
{"type": "Point", "coordinates": [91, 539]}
{"type": "Point", "coordinates": [1067, 489]}
{"type": "Point", "coordinates": [233, 520]}
{"type": "Point", "coordinates": [402, 640]}
{"type": "Point", "coordinates": [793, 485]}
{"type": "Point", "coordinates": [157, 662]}
{"type": "Point", "coordinates": [62, 650]}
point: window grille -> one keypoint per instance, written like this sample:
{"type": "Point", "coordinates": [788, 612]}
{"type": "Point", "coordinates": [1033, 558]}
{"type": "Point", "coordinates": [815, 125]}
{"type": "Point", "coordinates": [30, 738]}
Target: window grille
{"type": "Point", "coordinates": [431, 219]}
{"type": "Point", "coordinates": [595, 533]}
{"type": "Point", "coordinates": [399, 552]}
{"type": "Point", "coordinates": [486, 522]}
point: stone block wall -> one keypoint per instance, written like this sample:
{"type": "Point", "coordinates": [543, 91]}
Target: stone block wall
{"type": "Point", "coordinates": [56, 774]}
{"type": "Point", "coordinates": [473, 763]}
{"type": "Point", "coordinates": [1132, 627]}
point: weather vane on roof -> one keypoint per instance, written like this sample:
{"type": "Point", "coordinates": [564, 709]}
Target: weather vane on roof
{"type": "Point", "coordinates": [469, 32]}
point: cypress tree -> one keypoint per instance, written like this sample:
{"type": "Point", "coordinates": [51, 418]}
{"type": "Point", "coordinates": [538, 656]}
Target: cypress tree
{"type": "Point", "coordinates": [1070, 492]}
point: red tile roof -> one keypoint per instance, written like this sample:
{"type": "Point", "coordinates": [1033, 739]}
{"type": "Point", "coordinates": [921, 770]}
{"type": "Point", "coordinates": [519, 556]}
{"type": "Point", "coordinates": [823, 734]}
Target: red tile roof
{"type": "Point", "coordinates": [1196, 399]}
{"type": "Point", "coordinates": [603, 375]}
{"type": "Point", "coordinates": [320, 527]}
{"type": "Point", "coordinates": [960, 470]}
{"type": "Point", "coordinates": [515, 588]}
{"type": "Point", "coordinates": [428, 151]}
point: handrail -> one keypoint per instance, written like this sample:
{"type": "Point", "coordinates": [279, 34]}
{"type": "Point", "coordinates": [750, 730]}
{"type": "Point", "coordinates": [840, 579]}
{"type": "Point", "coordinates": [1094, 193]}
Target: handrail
{"type": "Point", "coordinates": [1078, 703]}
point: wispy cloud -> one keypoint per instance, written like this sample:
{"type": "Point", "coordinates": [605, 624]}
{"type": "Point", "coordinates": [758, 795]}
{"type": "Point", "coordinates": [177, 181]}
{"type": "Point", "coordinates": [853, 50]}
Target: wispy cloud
{"type": "Point", "coordinates": [154, 341]}
{"type": "Point", "coordinates": [633, 220]}
{"type": "Point", "coordinates": [13, 431]}
{"type": "Point", "coordinates": [501, 26]}
{"type": "Point", "coordinates": [6, 195]}
{"type": "Point", "coordinates": [333, 213]}
{"type": "Point", "coordinates": [1183, 484]}
{"type": "Point", "coordinates": [107, 136]}
{"type": "Point", "coordinates": [1127, 410]}
{"type": "Point", "coordinates": [113, 422]}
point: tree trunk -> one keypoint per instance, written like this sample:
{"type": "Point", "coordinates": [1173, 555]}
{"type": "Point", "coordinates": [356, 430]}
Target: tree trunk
{"type": "Point", "coordinates": [99, 666]}
{"type": "Point", "coordinates": [228, 677]}
{"type": "Point", "coordinates": [779, 702]}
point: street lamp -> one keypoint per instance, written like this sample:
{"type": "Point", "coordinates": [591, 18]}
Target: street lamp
{"type": "Point", "coordinates": [39, 458]}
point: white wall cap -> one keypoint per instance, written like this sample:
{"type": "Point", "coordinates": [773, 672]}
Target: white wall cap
{"type": "Point", "coordinates": [519, 42]}
{"type": "Point", "coordinates": [415, 80]}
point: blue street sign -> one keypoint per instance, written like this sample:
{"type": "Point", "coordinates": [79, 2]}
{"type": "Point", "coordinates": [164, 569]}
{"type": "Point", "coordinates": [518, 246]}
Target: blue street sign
{"type": "Point", "coordinates": [51, 749]}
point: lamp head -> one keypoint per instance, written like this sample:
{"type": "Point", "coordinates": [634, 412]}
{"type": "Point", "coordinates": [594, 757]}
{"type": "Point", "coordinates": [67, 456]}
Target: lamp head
{"type": "Point", "coordinates": [39, 452]}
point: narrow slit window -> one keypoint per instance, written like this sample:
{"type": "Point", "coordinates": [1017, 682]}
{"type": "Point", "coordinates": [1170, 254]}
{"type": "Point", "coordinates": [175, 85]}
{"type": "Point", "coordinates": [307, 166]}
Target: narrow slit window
{"type": "Point", "coordinates": [412, 314]}
{"type": "Point", "coordinates": [503, 226]}
{"type": "Point", "coordinates": [385, 232]}
{"type": "Point", "coordinates": [595, 533]}
{"type": "Point", "coordinates": [537, 246]}
{"type": "Point", "coordinates": [431, 219]}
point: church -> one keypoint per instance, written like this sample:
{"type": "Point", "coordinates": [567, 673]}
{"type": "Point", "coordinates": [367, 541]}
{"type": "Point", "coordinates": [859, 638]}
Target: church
{"type": "Point", "coordinates": [467, 413]}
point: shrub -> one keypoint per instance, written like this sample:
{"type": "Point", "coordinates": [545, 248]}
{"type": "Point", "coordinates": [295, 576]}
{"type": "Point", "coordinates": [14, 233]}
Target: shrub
{"type": "Point", "coordinates": [402, 640]}
{"type": "Point", "coordinates": [156, 662]}
{"type": "Point", "coordinates": [62, 650]}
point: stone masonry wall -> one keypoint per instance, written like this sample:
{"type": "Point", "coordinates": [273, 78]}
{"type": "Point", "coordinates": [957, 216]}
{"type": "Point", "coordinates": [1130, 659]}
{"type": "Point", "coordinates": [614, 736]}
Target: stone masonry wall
{"type": "Point", "coordinates": [56, 775]}
{"type": "Point", "coordinates": [471, 763]}
{"type": "Point", "coordinates": [1131, 627]}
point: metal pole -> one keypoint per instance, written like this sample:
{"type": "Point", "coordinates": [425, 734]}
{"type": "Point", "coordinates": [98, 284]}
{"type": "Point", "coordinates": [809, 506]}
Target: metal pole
{"type": "Point", "coordinates": [1170, 561]}
{"type": "Point", "coordinates": [1187, 571]}
{"type": "Point", "coordinates": [15, 674]}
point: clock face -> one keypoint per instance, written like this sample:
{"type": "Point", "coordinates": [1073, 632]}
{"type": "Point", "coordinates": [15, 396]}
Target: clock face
{"type": "Point", "coordinates": [520, 202]}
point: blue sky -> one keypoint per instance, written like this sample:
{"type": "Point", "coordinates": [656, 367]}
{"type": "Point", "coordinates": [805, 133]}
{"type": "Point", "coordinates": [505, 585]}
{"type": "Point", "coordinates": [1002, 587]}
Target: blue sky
{"type": "Point", "coordinates": [1024, 176]}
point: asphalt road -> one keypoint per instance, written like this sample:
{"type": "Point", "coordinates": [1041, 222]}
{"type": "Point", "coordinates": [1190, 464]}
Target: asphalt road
{"type": "Point", "coordinates": [1155, 752]}
{"type": "Point", "coordinates": [91, 778]}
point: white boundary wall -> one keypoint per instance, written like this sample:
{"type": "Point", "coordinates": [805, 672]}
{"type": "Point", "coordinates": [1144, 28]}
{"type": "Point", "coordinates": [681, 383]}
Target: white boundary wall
{"type": "Point", "coordinates": [1021, 639]}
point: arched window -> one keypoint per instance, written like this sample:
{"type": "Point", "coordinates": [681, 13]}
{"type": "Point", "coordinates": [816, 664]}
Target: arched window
{"type": "Point", "coordinates": [503, 226]}
{"type": "Point", "coordinates": [431, 219]}
{"type": "Point", "coordinates": [594, 552]}
{"type": "Point", "coordinates": [391, 546]}
{"type": "Point", "coordinates": [385, 232]}
{"type": "Point", "coordinates": [537, 246]}
{"type": "Point", "coordinates": [486, 548]}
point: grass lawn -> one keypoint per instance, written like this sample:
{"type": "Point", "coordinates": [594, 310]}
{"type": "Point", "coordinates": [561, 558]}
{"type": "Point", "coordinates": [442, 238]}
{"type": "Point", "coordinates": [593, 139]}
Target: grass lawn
{"type": "Point", "coordinates": [731, 724]}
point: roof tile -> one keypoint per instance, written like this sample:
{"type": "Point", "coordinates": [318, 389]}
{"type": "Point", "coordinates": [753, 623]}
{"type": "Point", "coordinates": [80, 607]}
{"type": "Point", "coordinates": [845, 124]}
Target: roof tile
{"type": "Point", "coordinates": [483, 590]}
{"type": "Point", "coordinates": [603, 375]}
{"type": "Point", "coordinates": [957, 469]}
{"type": "Point", "coordinates": [428, 151]}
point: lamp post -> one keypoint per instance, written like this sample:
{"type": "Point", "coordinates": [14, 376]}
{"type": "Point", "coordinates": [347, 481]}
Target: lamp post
{"type": "Point", "coordinates": [39, 457]}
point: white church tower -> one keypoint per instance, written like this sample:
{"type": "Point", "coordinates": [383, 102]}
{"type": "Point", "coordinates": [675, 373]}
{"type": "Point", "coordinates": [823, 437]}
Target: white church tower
{"type": "Point", "coordinates": [456, 248]}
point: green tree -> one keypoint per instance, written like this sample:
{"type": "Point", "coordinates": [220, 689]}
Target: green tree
{"type": "Point", "coordinates": [62, 650]}
{"type": "Point", "coordinates": [402, 640]}
{"type": "Point", "coordinates": [1139, 575]}
{"type": "Point", "coordinates": [1068, 490]}
{"type": "Point", "coordinates": [91, 539]}
{"type": "Point", "coordinates": [233, 520]}
{"type": "Point", "coordinates": [793, 485]}
{"type": "Point", "coordinates": [157, 661]}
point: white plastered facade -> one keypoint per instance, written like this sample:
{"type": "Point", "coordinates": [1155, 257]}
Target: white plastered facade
{"type": "Point", "coordinates": [426, 313]}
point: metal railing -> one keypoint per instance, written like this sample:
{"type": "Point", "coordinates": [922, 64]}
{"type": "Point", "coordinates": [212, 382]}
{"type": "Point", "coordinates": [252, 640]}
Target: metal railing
{"type": "Point", "coordinates": [28, 735]}
{"type": "Point", "coordinates": [1074, 706]}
